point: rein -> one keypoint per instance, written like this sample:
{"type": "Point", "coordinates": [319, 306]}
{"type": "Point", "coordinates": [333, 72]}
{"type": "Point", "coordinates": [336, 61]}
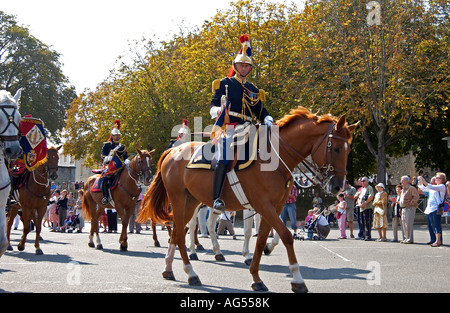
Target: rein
{"type": "Point", "coordinates": [6, 186]}
{"type": "Point", "coordinates": [10, 118]}
{"type": "Point", "coordinates": [140, 173]}
{"type": "Point", "coordinates": [46, 185]}
{"type": "Point", "coordinates": [317, 171]}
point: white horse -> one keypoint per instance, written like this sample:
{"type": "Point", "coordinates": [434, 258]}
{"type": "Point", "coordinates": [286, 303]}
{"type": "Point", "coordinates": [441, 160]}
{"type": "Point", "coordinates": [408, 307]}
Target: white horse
{"type": "Point", "coordinates": [10, 150]}
{"type": "Point", "coordinates": [211, 223]}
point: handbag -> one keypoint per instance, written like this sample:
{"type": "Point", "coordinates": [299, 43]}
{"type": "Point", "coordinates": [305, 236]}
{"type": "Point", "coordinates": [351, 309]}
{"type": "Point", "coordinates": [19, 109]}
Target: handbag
{"type": "Point", "coordinates": [379, 211]}
{"type": "Point", "coordinates": [338, 215]}
{"type": "Point", "coordinates": [444, 206]}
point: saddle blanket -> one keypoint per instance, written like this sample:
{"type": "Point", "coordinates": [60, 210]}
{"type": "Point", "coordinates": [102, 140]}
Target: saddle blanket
{"type": "Point", "coordinates": [97, 185]}
{"type": "Point", "coordinates": [245, 152]}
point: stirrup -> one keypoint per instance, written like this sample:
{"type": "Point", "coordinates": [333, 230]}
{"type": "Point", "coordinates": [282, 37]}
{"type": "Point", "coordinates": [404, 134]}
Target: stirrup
{"type": "Point", "coordinates": [105, 201]}
{"type": "Point", "coordinates": [218, 206]}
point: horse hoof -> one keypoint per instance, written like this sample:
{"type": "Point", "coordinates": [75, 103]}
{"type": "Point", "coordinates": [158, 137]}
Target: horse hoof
{"type": "Point", "coordinates": [299, 288]}
{"type": "Point", "coordinates": [10, 248]}
{"type": "Point", "coordinates": [91, 244]}
{"type": "Point", "coordinates": [20, 248]}
{"type": "Point", "coordinates": [99, 247]}
{"type": "Point", "coordinates": [248, 261]}
{"type": "Point", "coordinates": [220, 257]}
{"type": "Point", "coordinates": [193, 257]}
{"type": "Point", "coordinates": [123, 248]}
{"type": "Point", "coordinates": [39, 252]}
{"type": "Point", "coordinates": [267, 251]}
{"type": "Point", "coordinates": [157, 244]}
{"type": "Point", "coordinates": [200, 248]}
{"type": "Point", "coordinates": [259, 286]}
{"type": "Point", "coordinates": [168, 275]}
{"type": "Point", "coordinates": [194, 281]}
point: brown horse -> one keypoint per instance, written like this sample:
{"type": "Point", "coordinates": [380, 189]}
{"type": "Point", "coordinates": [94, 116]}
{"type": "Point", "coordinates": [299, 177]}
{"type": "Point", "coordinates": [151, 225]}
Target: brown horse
{"type": "Point", "coordinates": [124, 196]}
{"type": "Point", "coordinates": [33, 199]}
{"type": "Point", "coordinates": [301, 133]}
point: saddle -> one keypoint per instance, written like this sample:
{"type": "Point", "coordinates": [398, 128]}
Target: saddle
{"type": "Point", "coordinates": [245, 147]}
{"type": "Point", "coordinates": [97, 185]}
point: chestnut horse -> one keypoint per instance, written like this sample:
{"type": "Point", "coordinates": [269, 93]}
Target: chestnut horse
{"type": "Point", "coordinates": [33, 199]}
{"type": "Point", "coordinates": [124, 196]}
{"type": "Point", "coordinates": [9, 150]}
{"type": "Point", "coordinates": [300, 133]}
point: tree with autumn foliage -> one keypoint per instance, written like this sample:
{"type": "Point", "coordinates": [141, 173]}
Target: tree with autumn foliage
{"type": "Point", "coordinates": [171, 80]}
{"type": "Point", "coordinates": [380, 62]}
{"type": "Point", "coordinates": [392, 75]}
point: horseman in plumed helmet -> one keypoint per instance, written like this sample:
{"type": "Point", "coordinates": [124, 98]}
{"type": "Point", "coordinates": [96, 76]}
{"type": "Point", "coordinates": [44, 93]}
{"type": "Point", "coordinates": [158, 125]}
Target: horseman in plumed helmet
{"type": "Point", "coordinates": [114, 156]}
{"type": "Point", "coordinates": [183, 135]}
{"type": "Point", "coordinates": [236, 101]}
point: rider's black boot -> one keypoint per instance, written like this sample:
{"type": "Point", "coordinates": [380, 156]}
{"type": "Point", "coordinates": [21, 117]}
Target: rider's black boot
{"type": "Point", "coordinates": [105, 187]}
{"type": "Point", "coordinates": [219, 179]}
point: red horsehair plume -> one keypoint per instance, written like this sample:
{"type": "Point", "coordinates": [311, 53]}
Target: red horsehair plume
{"type": "Point", "coordinates": [185, 122]}
{"type": "Point", "coordinates": [117, 124]}
{"type": "Point", "coordinates": [243, 38]}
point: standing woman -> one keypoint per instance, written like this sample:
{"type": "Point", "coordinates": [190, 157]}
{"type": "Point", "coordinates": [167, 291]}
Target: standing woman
{"type": "Point", "coordinates": [435, 199]}
{"type": "Point", "coordinates": [341, 215]}
{"type": "Point", "coordinates": [53, 216]}
{"type": "Point", "coordinates": [70, 201]}
{"type": "Point", "coordinates": [396, 213]}
{"type": "Point", "coordinates": [380, 221]}
{"type": "Point", "coordinates": [78, 210]}
{"type": "Point", "coordinates": [62, 208]}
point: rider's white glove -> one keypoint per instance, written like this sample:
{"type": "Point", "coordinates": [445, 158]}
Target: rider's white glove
{"type": "Point", "coordinates": [268, 121]}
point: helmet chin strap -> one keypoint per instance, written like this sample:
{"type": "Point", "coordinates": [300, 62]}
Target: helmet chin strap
{"type": "Point", "coordinates": [237, 72]}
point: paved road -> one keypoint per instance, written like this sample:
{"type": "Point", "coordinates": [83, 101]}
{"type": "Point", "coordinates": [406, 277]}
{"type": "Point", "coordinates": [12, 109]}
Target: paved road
{"type": "Point", "coordinates": [69, 265]}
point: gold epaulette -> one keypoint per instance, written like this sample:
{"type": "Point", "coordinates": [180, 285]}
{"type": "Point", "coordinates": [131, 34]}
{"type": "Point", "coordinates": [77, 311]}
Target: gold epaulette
{"type": "Point", "coordinates": [215, 85]}
{"type": "Point", "coordinates": [262, 95]}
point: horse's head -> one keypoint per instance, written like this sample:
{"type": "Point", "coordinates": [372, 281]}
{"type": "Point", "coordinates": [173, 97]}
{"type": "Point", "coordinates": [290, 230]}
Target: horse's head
{"type": "Point", "coordinates": [144, 162]}
{"type": "Point", "coordinates": [52, 162]}
{"type": "Point", "coordinates": [331, 154]}
{"type": "Point", "coordinates": [9, 124]}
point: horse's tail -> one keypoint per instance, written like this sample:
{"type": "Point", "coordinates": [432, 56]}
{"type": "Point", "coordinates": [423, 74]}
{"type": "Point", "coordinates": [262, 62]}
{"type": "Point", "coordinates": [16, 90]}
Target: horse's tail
{"type": "Point", "coordinates": [86, 212]}
{"type": "Point", "coordinates": [155, 205]}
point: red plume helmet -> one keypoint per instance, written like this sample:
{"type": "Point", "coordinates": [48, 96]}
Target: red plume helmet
{"type": "Point", "coordinates": [115, 129]}
{"type": "Point", "coordinates": [116, 124]}
{"type": "Point", "coordinates": [244, 54]}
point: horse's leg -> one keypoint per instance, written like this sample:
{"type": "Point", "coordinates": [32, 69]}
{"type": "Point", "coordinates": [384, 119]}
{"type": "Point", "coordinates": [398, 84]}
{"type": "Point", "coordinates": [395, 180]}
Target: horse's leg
{"type": "Point", "coordinates": [248, 226]}
{"type": "Point", "coordinates": [127, 212]}
{"type": "Point", "coordinates": [297, 283]}
{"type": "Point", "coordinates": [271, 245]}
{"type": "Point", "coordinates": [11, 215]}
{"type": "Point", "coordinates": [179, 236]}
{"type": "Point", "coordinates": [168, 271]}
{"type": "Point", "coordinates": [97, 214]}
{"type": "Point", "coordinates": [192, 228]}
{"type": "Point", "coordinates": [155, 237]}
{"type": "Point", "coordinates": [197, 243]}
{"type": "Point", "coordinates": [26, 219]}
{"type": "Point", "coordinates": [90, 206]}
{"type": "Point", "coordinates": [211, 224]}
{"type": "Point", "coordinates": [38, 225]}
{"type": "Point", "coordinates": [4, 239]}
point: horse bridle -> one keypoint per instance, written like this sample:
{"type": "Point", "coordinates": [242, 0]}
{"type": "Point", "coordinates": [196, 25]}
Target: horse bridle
{"type": "Point", "coordinates": [142, 169]}
{"type": "Point", "coordinates": [321, 175]}
{"type": "Point", "coordinates": [10, 118]}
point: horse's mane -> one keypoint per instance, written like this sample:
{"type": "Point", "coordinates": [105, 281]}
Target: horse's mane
{"type": "Point", "coordinates": [6, 96]}
{"type": "Point", "coordinates": [302, 112]}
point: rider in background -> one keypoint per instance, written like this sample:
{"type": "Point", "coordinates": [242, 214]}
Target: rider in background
{"type": "Point", "coordinates": [182, 135]}
{"type": "Point", "coordinates": [235, 102]}
{"type": "Point", "coordinates": [112, 164]}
